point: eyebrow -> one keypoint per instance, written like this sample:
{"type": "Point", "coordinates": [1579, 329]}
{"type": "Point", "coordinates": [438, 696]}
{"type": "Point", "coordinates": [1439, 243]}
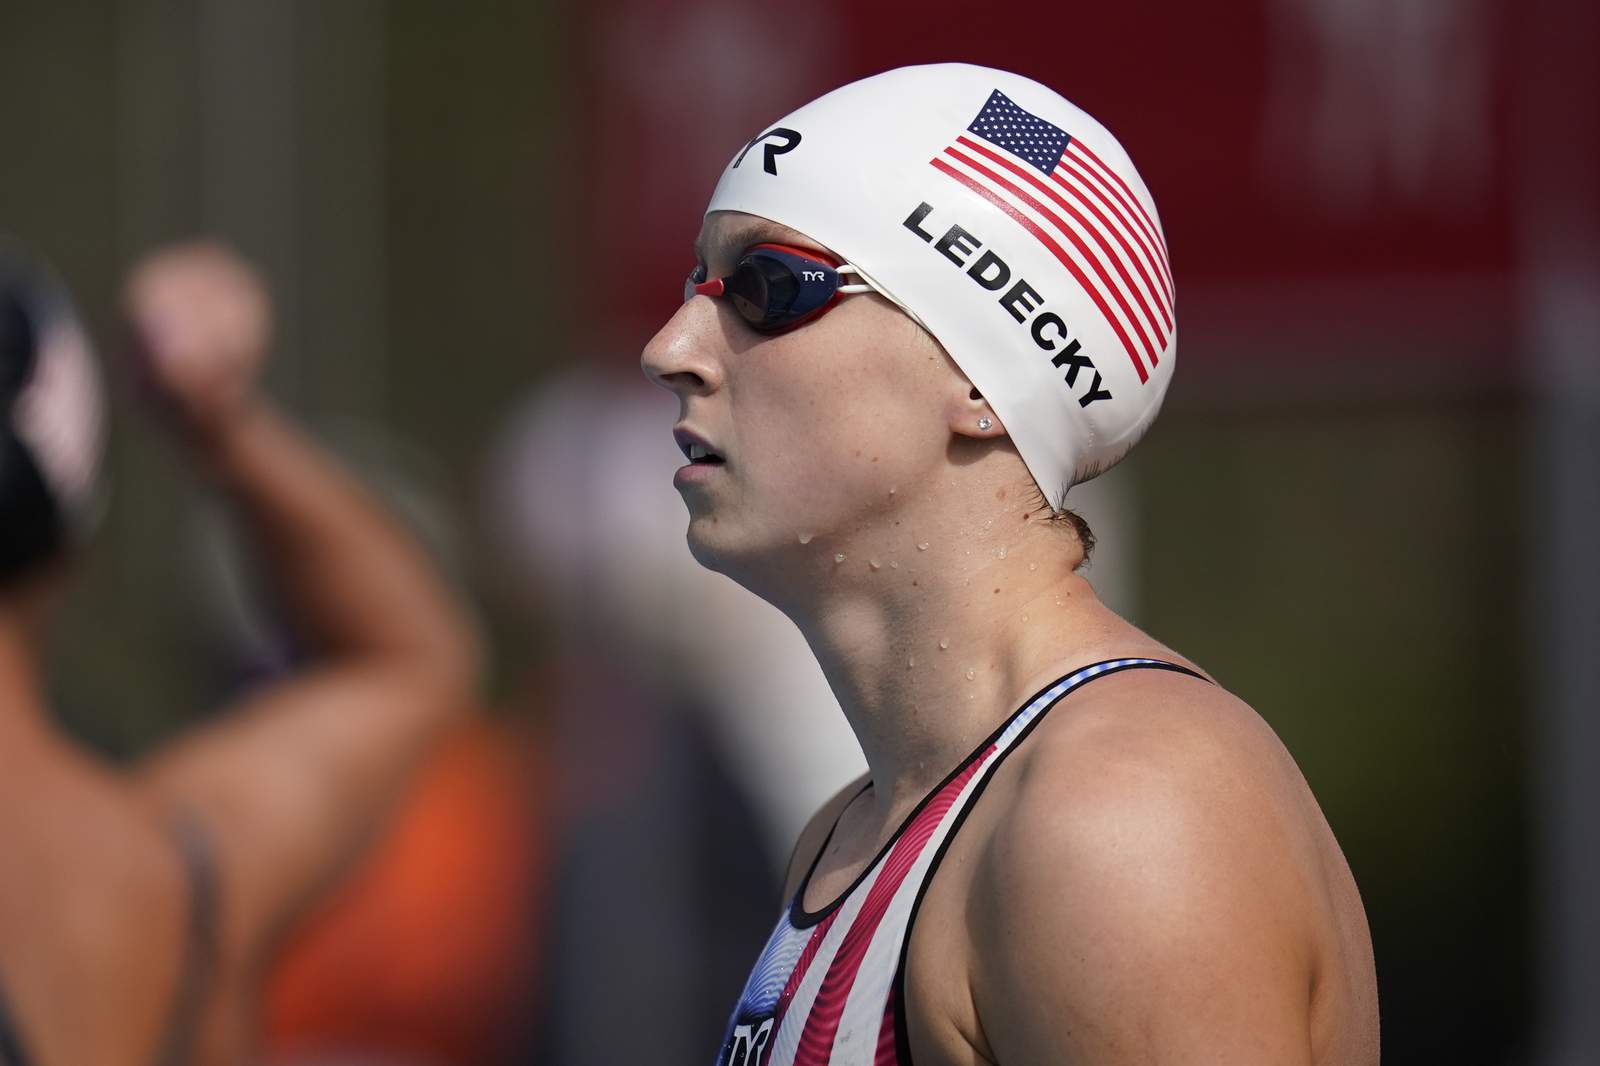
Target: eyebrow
{"type": "Point", "coordinates": [743, 237]}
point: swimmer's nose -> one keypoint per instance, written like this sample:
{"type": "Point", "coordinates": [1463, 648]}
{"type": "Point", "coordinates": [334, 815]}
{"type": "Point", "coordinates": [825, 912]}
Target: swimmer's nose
{"type": "Point", "coordinates": [678, 357]}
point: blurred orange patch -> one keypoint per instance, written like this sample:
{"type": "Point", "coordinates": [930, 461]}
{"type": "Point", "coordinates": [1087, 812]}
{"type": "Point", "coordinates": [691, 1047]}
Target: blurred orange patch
{"type": "Point", "coordinates": [428, 950]}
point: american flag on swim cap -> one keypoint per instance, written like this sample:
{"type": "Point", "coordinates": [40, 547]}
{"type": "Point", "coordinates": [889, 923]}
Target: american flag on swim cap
{"type": "Point", "coordinates": [1066, 197]}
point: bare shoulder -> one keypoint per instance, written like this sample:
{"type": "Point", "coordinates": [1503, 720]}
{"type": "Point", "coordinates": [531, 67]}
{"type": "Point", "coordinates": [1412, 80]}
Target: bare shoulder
{"type": "Point", "coordinates": [1158, 743]}
{"type": "Point", "coordinates": [1157, 767]}
{"type": "Point", "coordinates": [103, 914]}
{"type": "Point", "coordinates": [1158, 872]}
{"type": "Point", "coordinates": [809, 844]}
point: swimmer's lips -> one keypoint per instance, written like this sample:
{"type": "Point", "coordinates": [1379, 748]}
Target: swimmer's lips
{"type": "Point", "coordinates": [696, 449]}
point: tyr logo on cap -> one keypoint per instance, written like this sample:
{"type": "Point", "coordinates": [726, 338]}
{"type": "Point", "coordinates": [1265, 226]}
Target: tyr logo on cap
{"type": "Point", "coordinates": [790, 139]}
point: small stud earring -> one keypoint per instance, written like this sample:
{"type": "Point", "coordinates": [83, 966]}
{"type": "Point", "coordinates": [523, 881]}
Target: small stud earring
{"type": "Point", "coordinates": [984, 423]}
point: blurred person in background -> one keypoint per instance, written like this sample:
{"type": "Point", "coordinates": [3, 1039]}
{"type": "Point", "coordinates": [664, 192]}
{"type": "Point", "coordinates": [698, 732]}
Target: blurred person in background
{"type": "Point", "coordinates": [1149, 877]}
{"type": "Point", "coordinates": [138, 906]}
{"type": "Point", "coordinates": [428, 949]}
{"type": "Point", "coordinates": [430, 952]}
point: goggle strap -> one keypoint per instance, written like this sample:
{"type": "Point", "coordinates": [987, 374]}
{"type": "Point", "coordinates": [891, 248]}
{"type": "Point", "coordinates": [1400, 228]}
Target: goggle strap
{"type": "Point", "coordinates": [846, 268]}
{"type": "Point", "coordinates": [872, 286]}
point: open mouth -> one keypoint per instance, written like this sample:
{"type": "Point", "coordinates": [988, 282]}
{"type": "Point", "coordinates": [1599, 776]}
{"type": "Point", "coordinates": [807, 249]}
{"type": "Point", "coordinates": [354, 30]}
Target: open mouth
{"type": "Point", "coordinates": [696, 451]}
{"type": "Point", "coordinates": [702, 456]}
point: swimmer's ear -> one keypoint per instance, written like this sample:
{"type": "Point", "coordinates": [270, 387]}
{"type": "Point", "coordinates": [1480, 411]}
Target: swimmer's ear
{"type": "Point", "coordinates": [970, 415]}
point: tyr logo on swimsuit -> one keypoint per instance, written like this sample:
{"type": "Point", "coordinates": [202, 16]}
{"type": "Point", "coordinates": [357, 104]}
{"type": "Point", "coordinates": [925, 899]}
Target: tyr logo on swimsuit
{"type": "Point", "coordinates": [748, 1042]}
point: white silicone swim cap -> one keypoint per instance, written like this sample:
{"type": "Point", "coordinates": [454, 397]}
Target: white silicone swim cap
{"type": "Point", "coordinates": [1010, 224]}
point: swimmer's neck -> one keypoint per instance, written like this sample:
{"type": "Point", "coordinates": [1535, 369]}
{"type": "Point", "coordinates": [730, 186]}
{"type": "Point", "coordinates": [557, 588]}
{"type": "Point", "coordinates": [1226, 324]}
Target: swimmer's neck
{"type": "Point", "coordinates": [928, 658]}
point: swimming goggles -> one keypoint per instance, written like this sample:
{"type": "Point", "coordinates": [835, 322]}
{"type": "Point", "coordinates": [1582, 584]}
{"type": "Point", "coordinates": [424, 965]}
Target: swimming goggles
{"type": "Point", "coordinates": [776, 288]}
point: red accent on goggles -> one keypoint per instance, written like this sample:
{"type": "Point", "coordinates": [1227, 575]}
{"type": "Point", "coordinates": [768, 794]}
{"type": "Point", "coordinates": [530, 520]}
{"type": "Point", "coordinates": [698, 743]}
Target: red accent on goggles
{"type": "Point", "coordinates": [776, 287]}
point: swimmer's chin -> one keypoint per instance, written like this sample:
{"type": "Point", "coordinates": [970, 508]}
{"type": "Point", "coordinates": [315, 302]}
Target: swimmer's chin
{"type": "Point", "coordinates": [700, 538]}
{"type": "Point", "coordinates": [743, 563]}
{"type": "Point", "coordinates": [698, 549]}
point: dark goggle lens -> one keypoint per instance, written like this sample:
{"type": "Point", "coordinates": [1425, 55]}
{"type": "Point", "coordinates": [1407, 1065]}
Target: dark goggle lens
{"type": "Point", "coordinates": [774, 289]}
{"type": "Point", "coordinates": [763, 288]}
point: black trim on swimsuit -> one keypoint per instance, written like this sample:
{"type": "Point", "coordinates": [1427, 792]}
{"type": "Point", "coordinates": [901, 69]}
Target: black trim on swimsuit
{"type": "Point", "coordinates": [199, 959]}
{"type": "Point", "coordinates": [10, 1046]}
{"type": "Point", "coordinates": [200, 950]}
{"type": "Point", "coordinates": [804, 919]}
{"type": "Point", "coordinates": [902, 1036]}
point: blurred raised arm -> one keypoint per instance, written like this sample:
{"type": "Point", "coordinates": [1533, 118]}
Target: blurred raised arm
{"type": "Point", "coordinates": [287, 785]}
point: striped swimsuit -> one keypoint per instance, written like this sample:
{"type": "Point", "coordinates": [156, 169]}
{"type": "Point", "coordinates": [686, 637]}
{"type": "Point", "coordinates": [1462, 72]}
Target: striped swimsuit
{"type": "Point", "coordinates": [829, 988]}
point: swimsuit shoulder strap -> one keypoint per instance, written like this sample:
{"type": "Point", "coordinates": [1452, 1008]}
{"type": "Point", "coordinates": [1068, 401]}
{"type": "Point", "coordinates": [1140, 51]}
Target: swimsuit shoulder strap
{"type": "Point", "coordinates": [10, 1044]}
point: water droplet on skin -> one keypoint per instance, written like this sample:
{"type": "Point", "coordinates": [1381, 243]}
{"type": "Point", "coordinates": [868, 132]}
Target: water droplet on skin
{"type": "Point", "coordinates": [971, 674]}
{"type": "Point", "coordinates": [944, 645]}
{"type": "Point", "coordinates": [838, 557]}
{"type": "Point", "coordinates": [922, 547]}
{"type": "Point", "coordinates": [1058, 602]}
{"type": "Point", "coordinates": [874, 564]}
{"type": "Point", "coordinates": [911, 660]}
{"type": "Point", "coordinates": [891, 492]}
{"type": "Point", "coordinates": [1024, 618]}
{"type": "Point", "coordinates": [989, 523]}
{"type": "Point", "coordinates": [805, 538]}
{"type": "Point", "coordinates": [1001, 554]}
{"type": "Point", "coordinates": [1033, 566]}
{"type": "Point", "coordinates": [893, 565]}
